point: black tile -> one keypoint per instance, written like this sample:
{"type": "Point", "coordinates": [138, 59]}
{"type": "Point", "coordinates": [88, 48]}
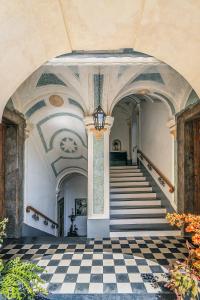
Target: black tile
{"type": "Point", "coordinates": [141, 262]}
{"type": "Point", "coordinates": [67, 256]}
{"type": "Point", "coordinates": [108, 269]}
{"type": "Point", "coordinates": [53, 246]}
{"type": "Point", "coordinates": [156, 269]}
{"type": "Point", "coordinates": [169, 255]}
{"type": "Point", "coordinates": [138, 288]}
{"type": "Point", "coordinates": [46, 277]}
{"type": "Point", "coordinates": [96, 278]}
{"type": "Point", "coordinates": [75, 262]}
{"type": "Point", "coordinates": [107, 246]}
{"type": "Point", "coordinates": [85, 269]}
{"type": "Point", "coordinates": [61, 269]}
{"type": "Point", "coordinates": [60, 251]}
{"type": "Point", "coordinates": [87, 256]}
{"type": "Point", "coordinates": [142, 246]}
{"type": "Point", "coordinates": [136, 250]}
{"type": "Point", "coordinates": [54, 262]}
{"type": "Point", "coordinates": [119, 262]}
{"type": "Point", "coordinates": [155, 250]}
{"type": "Point", "coordinates": [97, 262]}
{"type": "Point", "coordinates": [174, 250]}
{"type": "Point", "coordinates": [132, 269]}
{"type": "Point", "coordinates": [70, 278]}
{"type": "Point", "coordinates": [54, 287]}
{"type": "Point", "coordinates": [107, 256]}
{"type": "Point", "coordinates": [161, 246]}
{"type": "Point", "coordinates": [82, 288]}
{"type": "Point", "coordinates": [122, 278]}
{"type": "Point", "coordinates": [162, 262]}
{"type": "Point", "coordinates": [148, 256]}
{"type": "Point", "coordinates": [41, 251]}
{"type": "Point", "coordinates": [109, 288]}
{"type": "Point", "coordinates": [27, 256]}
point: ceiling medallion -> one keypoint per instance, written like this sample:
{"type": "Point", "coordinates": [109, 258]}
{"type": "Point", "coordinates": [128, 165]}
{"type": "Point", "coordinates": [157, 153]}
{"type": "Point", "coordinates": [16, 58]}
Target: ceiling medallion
{"type": "Point", "coordinates": [56, 100]}
{"type": "Point", "coordinates": [68, 145]}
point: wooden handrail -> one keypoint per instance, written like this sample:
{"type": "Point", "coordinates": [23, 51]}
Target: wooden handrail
{"type": "Point", "coordinates": [162, 178]}
{"type": "Point", "coordinates": [29, 208]}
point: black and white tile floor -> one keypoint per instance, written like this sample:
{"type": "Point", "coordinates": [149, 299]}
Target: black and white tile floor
{"type": "Point", "coordinates": [116, 265]}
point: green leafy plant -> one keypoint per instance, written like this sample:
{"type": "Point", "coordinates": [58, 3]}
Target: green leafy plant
{"type": "Point", "coordinates": [19, 279]}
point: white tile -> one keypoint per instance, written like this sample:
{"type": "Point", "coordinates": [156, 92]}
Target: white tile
{"type": "Point", "coordinates": [83, 278]}
{"type": "Point", "coordinates": [108, 262]}
{"type": "Point", "coordinates": [50, 269]}
{"type": "Point", "coordinates": [96, 288]}
{"type": "Point", "coordinates": [57, 256]}
{"type": "Point", "coordinates": [120, 269]}
{"type": "Point", "coordinates": [124, 288]}
{"type": "Point", "coordinates": [73, 269]}
{"type": "Point", "coordinates": [150, 289]}
{"type": "Point", "coordinates": [77, 256]}
{"type": "Point", "coordinates": [58, 278]}
{"type": "Point", "coordinates": [86, 262]}
{"type": "Point", "coordinates": [43, 263]}
{"type": "Point", "coordinates": [130, 262]}
{"type": "Point", "coordinates": [144, 269]}
{"type": "Point", "coordinates": [68, 288]}
{"type": "Point", "coordinates": [97, 256]}
{"type": "Point", "coordinates": [109, 278]}
{"type": "Point", "coordinates": [97, 270]}
{"type": "Point", "coordinates": [64, 262]}
{"type": "Point", "coordinates": [135, 277]}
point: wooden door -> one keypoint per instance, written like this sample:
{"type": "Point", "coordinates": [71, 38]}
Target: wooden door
{"type": "Point", "coordinates": [61, 217]}
{"type": "Point", "coordinates": [196, 143]}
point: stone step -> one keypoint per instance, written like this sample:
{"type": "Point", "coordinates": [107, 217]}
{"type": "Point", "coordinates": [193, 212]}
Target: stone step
{"type": "Point", "coordinates": [136, 210]}
{"type": "Point", "coordinates": [114, 234]}
{"type": "Point", "coordinates": [125, 171]}
{"type": "Point", "coordinates": [131, 190]}
{"type": "Point", "coordinates": [131, 174]}
{"type": "Point", "coordinates": [123, 167]}
{"type": "Point", "coordinates": [134, 196]}
{"type": "Point", "coordinates": [139, 216]}
{"type": "Point", "coordinates": [130, 227]}
{"type": "Point", "coordinates": [128, 179]}
{"type": "Point", "coordinates": [129, 184]}
{"type": "Point", "coordinates": [129, 203]}
{"type": "Point", "coordinates": [140, 221]}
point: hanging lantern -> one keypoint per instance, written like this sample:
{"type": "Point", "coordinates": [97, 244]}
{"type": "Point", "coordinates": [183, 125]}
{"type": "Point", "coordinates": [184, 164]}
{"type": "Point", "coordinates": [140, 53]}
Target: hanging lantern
{"type": "Point", "coordinates": [99, 118]}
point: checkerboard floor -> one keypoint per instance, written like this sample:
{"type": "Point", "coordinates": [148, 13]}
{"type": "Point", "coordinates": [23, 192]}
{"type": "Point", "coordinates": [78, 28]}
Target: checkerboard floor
{"type": "Point", "coordinates": [116, 265]}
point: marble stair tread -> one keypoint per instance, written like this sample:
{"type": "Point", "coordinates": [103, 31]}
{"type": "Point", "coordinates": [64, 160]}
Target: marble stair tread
{"type": "Point", "coordinates": [140, 221]}
{"type": "Point", "coordinates": [134, 196]}
{"type": "Point", "coordinates": [123, 167]}
{"type": "Point", "coordinates": [130, 203]}
{"type": "Point", "coordinates": [138, 216]}
{"type": "Point", "coordinates": [137, 210]}
{"type": "Point", "coordinates": [131, 190]}
{"type": "Point", "coordinates": [127, 179]}
{"type": "Point", "coordinates": [127, 175]}
{"type": "Point", "coordinates": [129, 184]}
{"type": "Point", "coordinates": [128, 227]}
{"type": "Point", "coordinates": [147, 233]}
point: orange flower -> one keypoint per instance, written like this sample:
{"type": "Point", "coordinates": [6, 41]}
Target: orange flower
{"type": "Point", "coordinates": [196, 239]}
{"type": "Point", "coordinates": [197, 252]}
{"type": "Point", "coordinates": [190, 228]}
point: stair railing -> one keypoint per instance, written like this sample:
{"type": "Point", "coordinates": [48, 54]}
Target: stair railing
{"type": "Point", "coordinates": [36, 215]}
{"type": "Point", "coordinates": [163, 180]}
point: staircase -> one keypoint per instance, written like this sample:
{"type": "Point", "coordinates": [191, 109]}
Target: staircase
{"type": "Point", "coordinates": [135, 209]}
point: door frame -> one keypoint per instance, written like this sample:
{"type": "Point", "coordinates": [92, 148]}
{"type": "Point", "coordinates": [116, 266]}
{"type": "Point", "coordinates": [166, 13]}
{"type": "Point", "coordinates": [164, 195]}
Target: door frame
{"type": "Point", "coordinates": [60, 202]}
{"type": "Point", "coordinates": [189, 114]}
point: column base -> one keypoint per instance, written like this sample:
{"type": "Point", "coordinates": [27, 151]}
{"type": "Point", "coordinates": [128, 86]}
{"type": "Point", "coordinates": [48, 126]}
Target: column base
{"type": "Point", "coordinates": [98, 228]}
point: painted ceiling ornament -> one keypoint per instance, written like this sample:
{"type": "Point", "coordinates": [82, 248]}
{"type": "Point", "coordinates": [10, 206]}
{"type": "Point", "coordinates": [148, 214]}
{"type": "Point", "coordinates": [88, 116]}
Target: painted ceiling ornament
{"type": "Point", "coordinates": [56, 100]}
{"type": "Point", "coordinates": [68, 145]}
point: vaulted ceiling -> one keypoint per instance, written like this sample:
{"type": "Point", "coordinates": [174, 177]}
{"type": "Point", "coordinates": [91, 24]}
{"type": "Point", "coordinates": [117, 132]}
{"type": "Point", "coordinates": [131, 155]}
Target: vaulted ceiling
{"type": "Point", "coordinates": [56, 97]}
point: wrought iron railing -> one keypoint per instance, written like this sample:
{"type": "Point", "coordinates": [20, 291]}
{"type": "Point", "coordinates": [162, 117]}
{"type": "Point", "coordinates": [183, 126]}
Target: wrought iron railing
{"type": "Point", "coordinates": [37, 214]}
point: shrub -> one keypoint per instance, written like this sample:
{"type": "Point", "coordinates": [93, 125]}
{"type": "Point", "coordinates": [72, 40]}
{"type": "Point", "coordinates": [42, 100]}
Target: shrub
{"type": "Point", "coordinates": [185, 275]}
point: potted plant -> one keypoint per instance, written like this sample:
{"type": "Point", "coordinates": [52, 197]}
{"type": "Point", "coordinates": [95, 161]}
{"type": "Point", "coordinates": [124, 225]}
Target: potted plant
{"type": "Point", "coordinates": [19, 279]}
{"type": "Point", "coordinates": [184, 275]}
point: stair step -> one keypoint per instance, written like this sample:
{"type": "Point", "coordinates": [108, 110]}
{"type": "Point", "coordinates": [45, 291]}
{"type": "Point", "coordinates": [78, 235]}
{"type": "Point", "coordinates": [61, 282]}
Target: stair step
{"type": "Point", "coordinates": [131, 174]}
{"type": "Point", "coordinates": [114, 234]}
{"type": "Point", "coordinates": [140, 221]}
{"type": "Point", "coordinates": [134, 196]}
{"type": "Point", "coordinates": [131, 190]}
{"type": "Point", "coordinates": [129, 227]}
{"type": "Point", "coordinates": [123, 167]}
{"type": "Point", "coordinates": [135, 211]}
{"type": "Point", "coordinates": [135, 203]}
{"type": "Point", "coordinates": [125, 171]}
{"type": "Point", "coordinates": [140, 216]}
{"type": "Point", "coordinates": [129, 184]}
{"type": "Point", "coordinates": [128, 179]}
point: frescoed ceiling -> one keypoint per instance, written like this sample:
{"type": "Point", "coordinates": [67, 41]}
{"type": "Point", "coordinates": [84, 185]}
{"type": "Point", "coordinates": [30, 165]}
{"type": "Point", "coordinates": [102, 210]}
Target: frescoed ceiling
{"type": "Point", "coordinates": [57, 97]}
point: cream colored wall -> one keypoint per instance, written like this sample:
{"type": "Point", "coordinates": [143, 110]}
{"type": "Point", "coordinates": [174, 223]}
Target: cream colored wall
{"type": "Point", "coordinates": [156, 141]}
{"type": "Point", "coordinates": [32, 32]}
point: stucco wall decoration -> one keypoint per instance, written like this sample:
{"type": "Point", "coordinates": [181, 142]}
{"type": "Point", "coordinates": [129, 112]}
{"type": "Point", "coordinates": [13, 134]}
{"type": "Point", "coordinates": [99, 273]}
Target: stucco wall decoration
{"type": "Point", "coordinates": [68, 145]}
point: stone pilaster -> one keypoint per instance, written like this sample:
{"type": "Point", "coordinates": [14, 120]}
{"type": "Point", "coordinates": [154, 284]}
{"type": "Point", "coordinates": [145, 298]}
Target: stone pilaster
{"type": "Point", "coordinates": [98, 178]}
